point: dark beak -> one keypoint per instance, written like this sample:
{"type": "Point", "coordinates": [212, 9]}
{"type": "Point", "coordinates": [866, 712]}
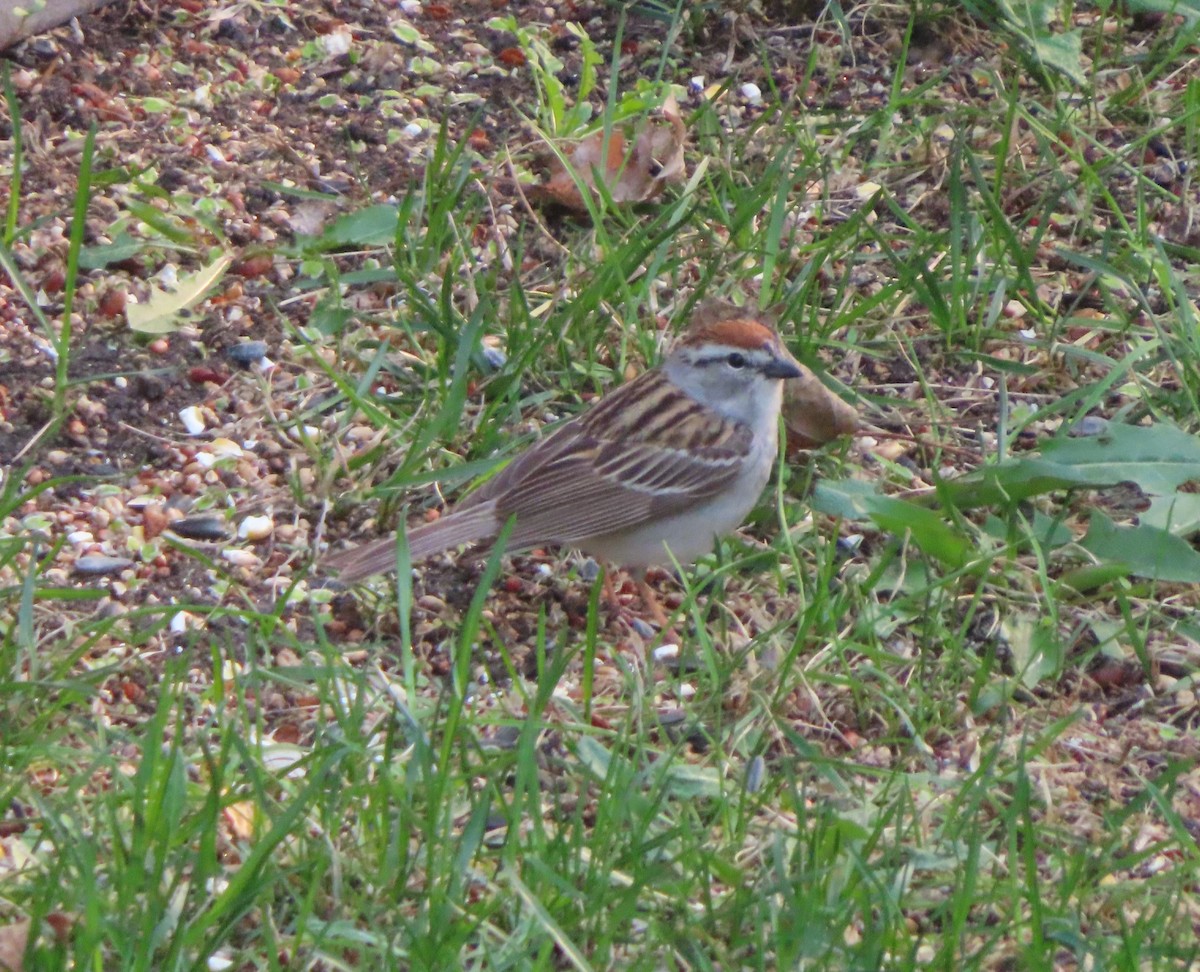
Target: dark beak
{"type": "Point", "coordinates": [782, 368]}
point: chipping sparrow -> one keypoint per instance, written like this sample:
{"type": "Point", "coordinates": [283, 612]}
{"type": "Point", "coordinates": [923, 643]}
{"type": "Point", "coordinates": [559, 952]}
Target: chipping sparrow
{"type": "Point", "coordinates": [671, 460]}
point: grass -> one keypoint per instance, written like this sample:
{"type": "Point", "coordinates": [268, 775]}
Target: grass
{"type": "Point", "coordinates": [868, 755]}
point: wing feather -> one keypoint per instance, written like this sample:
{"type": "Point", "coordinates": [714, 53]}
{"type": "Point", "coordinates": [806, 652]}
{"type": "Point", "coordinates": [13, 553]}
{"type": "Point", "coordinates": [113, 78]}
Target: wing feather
{"type": "Point", "coordinates": [600, 488]}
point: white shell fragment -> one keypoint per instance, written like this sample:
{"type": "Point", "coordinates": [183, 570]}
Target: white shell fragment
{"type": "Point", "coordinates": [255, 528]}
{"type": "Point", "coordinates": [666, 652]}
{"type": "Point", "coordinates": [752, 93]}
{"type": "Point", "coordinates": [337, 42]}
{"type": "Point", "coordinates": [226, 449]}
{"type": "Point", "coordinates": [192, 419]}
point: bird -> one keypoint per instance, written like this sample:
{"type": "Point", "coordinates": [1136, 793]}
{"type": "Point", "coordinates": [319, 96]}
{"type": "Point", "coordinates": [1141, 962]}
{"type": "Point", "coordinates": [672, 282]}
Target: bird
{"type": "Point", "coordinates": [649, 475]}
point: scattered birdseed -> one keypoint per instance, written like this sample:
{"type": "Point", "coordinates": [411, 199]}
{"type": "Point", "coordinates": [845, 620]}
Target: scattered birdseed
{"type": "Point", "coordinates": [200, 528]}
{"type": "Point", "coordinates": [101, 564]}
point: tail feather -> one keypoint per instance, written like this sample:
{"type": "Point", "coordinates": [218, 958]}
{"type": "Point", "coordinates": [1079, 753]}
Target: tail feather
{"type": "Point", "coordinates": [466, 526]}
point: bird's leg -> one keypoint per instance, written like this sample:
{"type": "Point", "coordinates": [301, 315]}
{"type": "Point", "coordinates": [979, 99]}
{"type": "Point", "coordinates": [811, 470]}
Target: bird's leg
{"type": "Point", "coordinates": [651, 604]}
{"type": "Point", "coordinates": [650, 607]}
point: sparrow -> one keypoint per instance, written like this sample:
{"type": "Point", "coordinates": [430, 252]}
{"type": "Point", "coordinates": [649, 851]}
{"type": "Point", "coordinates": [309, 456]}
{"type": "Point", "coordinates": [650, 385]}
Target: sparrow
{"type": "Point", "coordinates": [652, 473]}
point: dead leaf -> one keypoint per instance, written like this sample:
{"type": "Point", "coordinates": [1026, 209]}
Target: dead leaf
{"type": "Point", "coordinates": [813, 414]}
{"type": "Point", "coordinates": [13, 939]}
{"type": "Point", "coordinates": [241, 818]}
{"type": "Point", "coordinates": [161, 312]}
{"type": "Point", "coordinates": [628, 174]}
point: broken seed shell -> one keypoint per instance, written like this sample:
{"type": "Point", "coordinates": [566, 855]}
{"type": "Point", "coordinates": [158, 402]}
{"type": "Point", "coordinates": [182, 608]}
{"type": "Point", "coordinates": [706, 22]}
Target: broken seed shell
{"type": "Point", "coordinates": [255, 528]}
{"type": "Point", "coordinates": [101, 564]}
{"type": "Point", "coordinates": [200, 528]}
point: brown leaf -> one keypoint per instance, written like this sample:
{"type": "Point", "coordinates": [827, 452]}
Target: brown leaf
{"type": "Point", "coordinates": [240, 818]}
{"type": "Point", "coordinates": [813, 414]}
{"type": "Point", "coordinates": [13, 939]}
{"type": "Point", "coordinates": [630, 175]}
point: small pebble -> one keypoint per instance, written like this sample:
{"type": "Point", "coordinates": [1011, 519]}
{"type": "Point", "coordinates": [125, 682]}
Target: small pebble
{"type": "Point", "coordinates": [505, 737]}
{"type": "Point", "coordinates": [494, 359]}
{"type": "Point", "coordinates": [192, 419]}
{"type": "Point", "coordinates": [336, 42]}
{"type": "Point", "coordinates": [101, 564]}
{"type": "Point", "coordinates": [848, 546]}
{"type": "Point", "coordinates": [755, 773]}
{"type": "Point", "coordinates": [247, 352]}
{"type": "Point", "coordinates": [43, 47]}
{"type": "Point", "coordinates": [752, 93]}
{"type": "Point", "coordinates": [1090, 425]}
{"type": "Point", "coordinates": [666, 652]}
{"type": "Point", "coordinates": [412, 129]}
{"type": "Point", "coordinates": [669, 718]}
{"type": "Point", "coordinates": [1014, 309]}
{"type": "Point", "coordinates": [77, 538]}
{"type": "Point", "coordinates": [218, 962]}
{"type": "Point", "coordinates": [200, 528]}
{"type": "Point", "coordinates": [255, 528]}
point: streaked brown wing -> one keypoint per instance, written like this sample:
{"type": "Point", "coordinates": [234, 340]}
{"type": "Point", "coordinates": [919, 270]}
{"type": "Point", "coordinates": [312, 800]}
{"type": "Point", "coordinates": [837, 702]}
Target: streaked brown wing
{"type": "Point", "coordinates": [597, 488]}
{"type": "Point", "coordinates": [581, 482]}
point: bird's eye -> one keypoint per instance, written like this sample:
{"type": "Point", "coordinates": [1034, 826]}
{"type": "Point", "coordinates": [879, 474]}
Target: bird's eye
{"type": "Point", "coordinates": [736, 360]}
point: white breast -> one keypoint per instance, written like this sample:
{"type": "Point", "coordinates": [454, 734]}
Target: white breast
{"type": "Point", "coordinates": [692, 533]}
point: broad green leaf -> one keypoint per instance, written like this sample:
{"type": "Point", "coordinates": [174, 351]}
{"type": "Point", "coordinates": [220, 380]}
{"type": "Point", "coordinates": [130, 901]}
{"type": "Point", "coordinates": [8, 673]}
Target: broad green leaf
{"type": "Point", "coordinates": [1146, 551]}
{"type": "Point", "coordinates": [1189, 10]}
{"type": "Point", "coordinates": [122, 248]}
{"type": "Point", "coordinates": [593, 755]}
{"type": "Point", "coordinates": [1047, 531]}
{"type": "Point", "coordinates": [373, 226]}
{"type": "Point", "coordinates": [1178, 513]}
{"type": "Point", "coordinates": [1158, 458]}
{"type": "Point", "coordinates": [927, 528]}
{"type": "Point", "coordinates": [1036, 649]}
{"type": "Point", "coordinates": [1061, 53]}
{"type": "Point", "coordinates": [159, 314]}
{"type": "Point", "coordinates": [687, 781]}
